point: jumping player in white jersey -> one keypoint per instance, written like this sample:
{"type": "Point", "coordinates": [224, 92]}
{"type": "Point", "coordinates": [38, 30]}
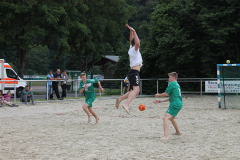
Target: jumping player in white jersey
{"type": "Point", "coordinates": [133, 75]}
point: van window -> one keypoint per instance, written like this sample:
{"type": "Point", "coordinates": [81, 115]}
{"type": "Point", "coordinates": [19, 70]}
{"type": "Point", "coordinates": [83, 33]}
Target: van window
{"type": "Point", "coordinates": [11, 74]}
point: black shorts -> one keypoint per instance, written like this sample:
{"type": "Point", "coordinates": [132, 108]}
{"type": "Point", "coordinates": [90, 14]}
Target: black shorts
{"type": "Point", "coordinates": [126, 84]}
{"type": "Point", "coordinates": [134, 78]}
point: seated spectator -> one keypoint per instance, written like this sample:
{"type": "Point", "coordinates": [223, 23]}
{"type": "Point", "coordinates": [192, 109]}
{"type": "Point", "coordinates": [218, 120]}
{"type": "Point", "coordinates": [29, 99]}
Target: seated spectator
{"type": "Point", "coordinates": [27, 95]}
{"type": "Point", "coordinates": [1, 98]}
{"type": "Point", "coordinates": [7, 98]}
{"type": "Point", "coordinates": [64, 84]}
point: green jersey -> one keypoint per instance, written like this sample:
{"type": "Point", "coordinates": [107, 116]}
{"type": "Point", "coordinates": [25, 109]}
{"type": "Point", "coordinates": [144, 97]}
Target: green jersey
{"type": "Point", "coordinates": [88, 92]}
{"type": "Point", "coordinates": [174, 92]}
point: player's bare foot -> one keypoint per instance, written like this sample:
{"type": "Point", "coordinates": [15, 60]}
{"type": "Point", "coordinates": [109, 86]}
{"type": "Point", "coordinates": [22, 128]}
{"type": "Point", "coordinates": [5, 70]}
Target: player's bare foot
{"type": "Point", "coordinates": [164, 138]}
{"type": "Point", "coordinates": [117, 102]}
{"type": "Point", "coordinates": [97, 119]}
{"type": "Point", "coordinates": [177, 133]}
{"type": "Point", "coordinates": [89, 119]}
{"type": "Point", "coordinates": [126, 108]}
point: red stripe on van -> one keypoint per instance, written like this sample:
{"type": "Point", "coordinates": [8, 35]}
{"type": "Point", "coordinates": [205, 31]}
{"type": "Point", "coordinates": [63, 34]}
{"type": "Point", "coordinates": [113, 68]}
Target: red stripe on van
{"type": "Point", "coordinates": [8, 82]}
{"type": "Point", "coordinates": [7, 66]}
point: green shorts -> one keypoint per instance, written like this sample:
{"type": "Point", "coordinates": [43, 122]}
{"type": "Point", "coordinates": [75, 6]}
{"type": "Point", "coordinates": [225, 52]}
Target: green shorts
{"type": "Point", "coordinates": [174, 109]}
{"type": "Point", "coordinates": [89, 101]}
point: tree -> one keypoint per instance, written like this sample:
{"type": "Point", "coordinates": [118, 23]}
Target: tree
{"type": "Point", "coordinates": [191, 37]}
{"type": "Point", "coordinates": [96, 30]}
{"type": "Point", "coordinates": [38, 57]}
{"type": "Point", "coordinates": [27, 24]}
{"type": "Point", "coordinates": [122, 66]}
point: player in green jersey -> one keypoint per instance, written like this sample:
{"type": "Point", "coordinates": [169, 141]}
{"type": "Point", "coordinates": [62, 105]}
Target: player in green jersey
{"type": "Point", "coordinates": [174, 92]}
{"type": "Point", "coordinates": [86, 87]}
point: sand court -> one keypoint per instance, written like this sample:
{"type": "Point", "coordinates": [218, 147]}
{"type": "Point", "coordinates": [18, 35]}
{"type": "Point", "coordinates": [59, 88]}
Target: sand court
{"type": "Point", "coordinates": [59, 130]}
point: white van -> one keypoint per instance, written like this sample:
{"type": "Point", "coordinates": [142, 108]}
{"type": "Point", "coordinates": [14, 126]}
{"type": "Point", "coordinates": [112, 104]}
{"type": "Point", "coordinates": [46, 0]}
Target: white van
{"type": "Point", "coordinates": [7, 73]}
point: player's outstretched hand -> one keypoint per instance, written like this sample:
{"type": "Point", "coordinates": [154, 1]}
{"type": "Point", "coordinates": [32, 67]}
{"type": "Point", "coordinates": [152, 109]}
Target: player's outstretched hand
{"type": "Point", "coordinates": [155, 101]}
{"type": "Point", "coordinates": [102, 90]}
{"type": "Point", "coordinates": [157, 95]}
{"type": "Point", "coordinates": [130, 28]}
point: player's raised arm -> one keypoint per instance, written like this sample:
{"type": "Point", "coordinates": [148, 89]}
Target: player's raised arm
{"type": "Point", "coordinates": [131, 32]}
{"type": "Point", "coordinates": [137, 41]}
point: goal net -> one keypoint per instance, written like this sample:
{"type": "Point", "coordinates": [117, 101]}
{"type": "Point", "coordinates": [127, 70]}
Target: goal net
{"type": "Point", "coordinates": [228, 85]}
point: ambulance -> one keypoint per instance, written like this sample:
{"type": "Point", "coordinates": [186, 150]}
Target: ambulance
{"type": "Point", "coordinates": [7, 73]}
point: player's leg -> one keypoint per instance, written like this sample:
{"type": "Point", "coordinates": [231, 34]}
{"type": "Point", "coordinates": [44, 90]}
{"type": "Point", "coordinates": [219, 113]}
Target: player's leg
{"type": "Point", "coordinates": [93, 113]}
{"type": "Point", "coordinates": [119, 99]}
{"type": "Point", "coordinates": [131, 96]}
{"type": "Point", "coordinates": [134, 80]}
{"type": "Point", "coordinates": [89, 102]}
{"type": "Point", "coordinates": [166, 118]}
{"type": "Point", "coordinates": [175, 126]}
{"type": "Point", "coordinates": [85, 108]}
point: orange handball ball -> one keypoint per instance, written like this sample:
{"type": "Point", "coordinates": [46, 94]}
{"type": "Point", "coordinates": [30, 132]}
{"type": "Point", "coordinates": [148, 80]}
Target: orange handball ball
{"type": "Point", "coordinates": [141, 107]}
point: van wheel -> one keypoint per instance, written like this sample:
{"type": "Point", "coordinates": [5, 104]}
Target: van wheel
{"type": "Point", "coordinates": [19, 92]}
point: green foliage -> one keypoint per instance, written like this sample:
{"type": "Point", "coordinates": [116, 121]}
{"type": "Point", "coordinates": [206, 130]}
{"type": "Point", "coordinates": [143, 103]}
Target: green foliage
{"type": "Point", "coordinates": [97, 29]}
{"type": "Point", "coordinates": [33, 57]}
{"type": "Point", "coordinates": [97, 70]}
{"type": "Point", "coordinates": [191, 37]}
{"type": "Point", "coordinates": [122, 66]}
{"type": "Point", "coordinates": [84, 29]}
{"type": "Point", "coordinates": [26, 24]}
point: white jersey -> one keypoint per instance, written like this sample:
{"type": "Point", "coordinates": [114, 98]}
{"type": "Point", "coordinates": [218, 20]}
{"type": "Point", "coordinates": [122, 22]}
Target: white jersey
{"type": "Point", "coordinates": [134, 57]}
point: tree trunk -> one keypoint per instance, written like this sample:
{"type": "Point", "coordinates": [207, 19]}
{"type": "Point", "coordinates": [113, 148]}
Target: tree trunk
{"type": "Point", "coordinates": [93, 59]}
{"type": "Point", "coordinates": [21, 60]}
{"type": "Point", "coordinates": [79, 54]}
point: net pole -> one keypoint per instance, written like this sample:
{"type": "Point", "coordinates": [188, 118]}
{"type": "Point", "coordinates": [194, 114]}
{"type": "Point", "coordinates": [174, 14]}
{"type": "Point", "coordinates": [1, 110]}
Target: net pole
{"type": "Point", "coordinates": [76, 89]}
{"type": "Point", "coordinates": [219, 87]}
{"type": "Point", "coordinates": [224, 91]}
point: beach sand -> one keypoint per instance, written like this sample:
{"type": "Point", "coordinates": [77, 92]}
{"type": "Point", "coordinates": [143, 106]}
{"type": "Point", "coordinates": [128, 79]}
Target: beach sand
{"type": "Point", "coordinates": [59, 130]}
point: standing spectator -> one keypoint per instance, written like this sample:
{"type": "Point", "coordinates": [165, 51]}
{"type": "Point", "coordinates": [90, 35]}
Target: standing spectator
{"type": "Point", "coordinates": [49, 83]}
{"type": "Point", "coordinates": [26, 95]}
{"type": "Point", "coordinates": [56, 76]}
{"type": "Point", "coordinates": [64, 84]}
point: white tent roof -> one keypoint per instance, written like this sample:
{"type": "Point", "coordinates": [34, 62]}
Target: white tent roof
{"type": "Point", "coordinates": [113, 58]}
